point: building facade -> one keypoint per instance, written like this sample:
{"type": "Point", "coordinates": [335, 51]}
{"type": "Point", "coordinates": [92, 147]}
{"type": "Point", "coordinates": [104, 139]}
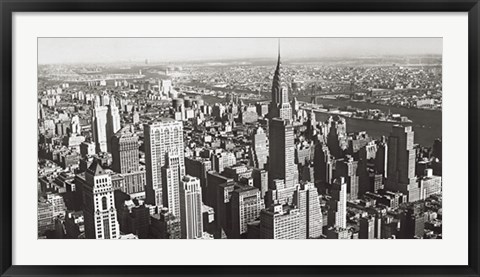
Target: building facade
{"type": "Point", "coordinates": [99, 205]}
{"type": "Point", "coordinates": [191, 208]}
{"type": "Point", "coordinates": [161, 137]}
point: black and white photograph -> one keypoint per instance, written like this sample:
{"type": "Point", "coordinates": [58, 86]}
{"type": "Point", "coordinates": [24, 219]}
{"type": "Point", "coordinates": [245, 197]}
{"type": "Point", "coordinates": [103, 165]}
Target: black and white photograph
{"type": "Point", "coordinates": [239, 138]}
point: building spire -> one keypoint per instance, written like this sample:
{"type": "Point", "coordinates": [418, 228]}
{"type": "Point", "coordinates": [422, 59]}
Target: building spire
{"type": "Point", "coordinates": [278, 62]}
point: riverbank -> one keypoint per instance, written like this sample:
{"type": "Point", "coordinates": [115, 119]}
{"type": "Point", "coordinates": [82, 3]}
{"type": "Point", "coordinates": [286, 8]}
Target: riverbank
{"type": "Point", "coordinates": [427, 124]}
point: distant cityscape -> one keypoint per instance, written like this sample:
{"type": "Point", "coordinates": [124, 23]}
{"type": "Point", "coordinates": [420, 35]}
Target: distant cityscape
{"type": "Point", "coordinates": [321, 148]}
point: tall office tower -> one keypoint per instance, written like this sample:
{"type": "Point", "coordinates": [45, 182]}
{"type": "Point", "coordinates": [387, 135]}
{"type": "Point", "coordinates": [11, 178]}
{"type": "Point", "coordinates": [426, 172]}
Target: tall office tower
{"type": "Point", "coordinates": [401, 163]}
{"type": "Point", "coordinates": [171, 178]}
{"type": "Point", "coordinates": [337, 214]}
{"type": "Point", "coordinates": [437, 149]}
{"type": "Point", "coordinates": [337, 136]}
{"type": "Point", "coordinates": [125, 160]}
{"type": "Point", "coordinates": [306, 199]}
{"type": "Point", "coordinates": [99, 125]}
{"type": "Point", "coordinates": [323, 167]}
{"type": "Point", "coordinates": [246, 206]}
{"type": "Point", "coordinates": [191, 208]}
{"type": "Point", "coordinates": [259, 149]}
{"type": "Point", "coordinates": [282, 153]}
{"type": "Point", "coordinates": [280, 106]}
{"type": "Point", "coordinates": [412, 224]}
{"type": "Point", "coordinates": [366, 156]}
{"type": "Point", "coordinates": [161, 137]}
{"type": "Point", "coordinates": [381, 158]}
{"type": "Point", "coordinates": [99, 205]}
{"type": "Point", "coordinates": [280, 222]}
{"type": "Point", "coordinates": [223, 205]}
{"type": "Point", "coordinates": [113, 122]}
{"type": "Point", "coordinates": [125, 153]}
{"type": "Point", "coordinates": [367, 228]}
{"type": "Point", "coordinates": [199, 167]}
{"type": "Point", "coordinates": [378, 219]}
{"type": "Point", "coordinates": [347, 168]}
{"type": "Point", "coordinates": [260, 180]}
{"type": "Point", "coordinates": [311, 125]}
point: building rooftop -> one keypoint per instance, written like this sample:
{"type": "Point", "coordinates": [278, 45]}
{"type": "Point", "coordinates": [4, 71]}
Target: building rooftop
{"type": "Point", "coordinates": [95, 169]}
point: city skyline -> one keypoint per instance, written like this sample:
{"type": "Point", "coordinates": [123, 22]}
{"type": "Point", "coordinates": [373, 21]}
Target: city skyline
{"type": "Point", "coordinates": [166, 50]}
{"type": "Point", "coordinates": [208, 153]}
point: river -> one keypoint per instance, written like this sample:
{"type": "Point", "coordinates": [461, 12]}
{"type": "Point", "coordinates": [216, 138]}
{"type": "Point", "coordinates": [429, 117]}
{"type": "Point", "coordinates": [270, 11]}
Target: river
{"type": "Point", "coordinates": [427, 124]}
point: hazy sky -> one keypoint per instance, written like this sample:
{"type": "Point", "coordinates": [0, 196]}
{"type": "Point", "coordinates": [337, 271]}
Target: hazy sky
{"type": "Point", "coordinates": [91, 50]}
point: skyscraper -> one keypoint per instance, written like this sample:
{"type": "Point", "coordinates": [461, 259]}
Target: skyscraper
{"type": "Point", "coordinates": [323, 167]}
{"type": "Point", "coordinates": [401, 163]}
{"type": "Point", "coordinates": [337, 136]}
{"type": "Point", "coordinates": [282, 152]}
{"type": "Point", "coordinates": [381, 158]}
{"type": "Point", "coordinates": [246, 206]}
{"type": "Point", "coordinates": [99, 205]}
{"type": "Point", "coordinates": [198, 167]}
{"type": "Point", "coordinates": [260, 180]}
{"type": "Point", "coordinates": [259, 149]}
{"type": "Point", "coordinates": [347, 168]}
{"type": "Point", "coordinates": [280, 105]}
{"type": "Point", "coordinates": [412, 224]}
{"type": "Point", "coordinates": [113, 122]}
{"type": "Point", "coordinates": [171, 178]}
{"type": "Point", "coordinates": [125, 160]}
{"type": "Point", "coordinates": [99, 125]}
{"type": "Point", "coordinates": [366, 158]}
{"type": "Point", "coordinates": [367, 228]}
{"type": "Point", "coordinates": [125, 154]}
{"type": "Point", "coordinates": [162, 137]}
{"type": "Point", "coordinates": [306, 199]}
{"type": "Point", "coordinates": [337, 214]}
{"type": "Point", "coordinates": [191, 208]}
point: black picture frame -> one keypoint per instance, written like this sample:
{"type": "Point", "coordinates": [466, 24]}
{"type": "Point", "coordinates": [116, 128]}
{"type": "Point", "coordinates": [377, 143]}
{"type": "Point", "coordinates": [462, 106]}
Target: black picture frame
{"type": "Point", "coordinates": [8, 7]}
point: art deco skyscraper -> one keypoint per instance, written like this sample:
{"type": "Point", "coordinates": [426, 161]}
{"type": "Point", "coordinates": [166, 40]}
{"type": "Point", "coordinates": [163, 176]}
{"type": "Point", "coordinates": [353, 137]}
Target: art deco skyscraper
{"type": "Point", "coordinates": [113, 122]}
{"type": "Point", "coordinates": [401, 163]}
{"type": "Point", "coordinates": [99, 125]}
{"type": "Point", "coordinates": [161, 137]}
{"type": "Point", "coordinates": [282, 152]}
{"type": "Point", "coordinates": [99, 205]}
{"type": "Point", "coordinates": [191, 207]}
{"type": "Point", "coordinates": [280, 105]}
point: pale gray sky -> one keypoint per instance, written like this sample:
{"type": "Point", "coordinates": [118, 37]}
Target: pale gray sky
{"type": "Point", "coordinates": [91, 50]}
